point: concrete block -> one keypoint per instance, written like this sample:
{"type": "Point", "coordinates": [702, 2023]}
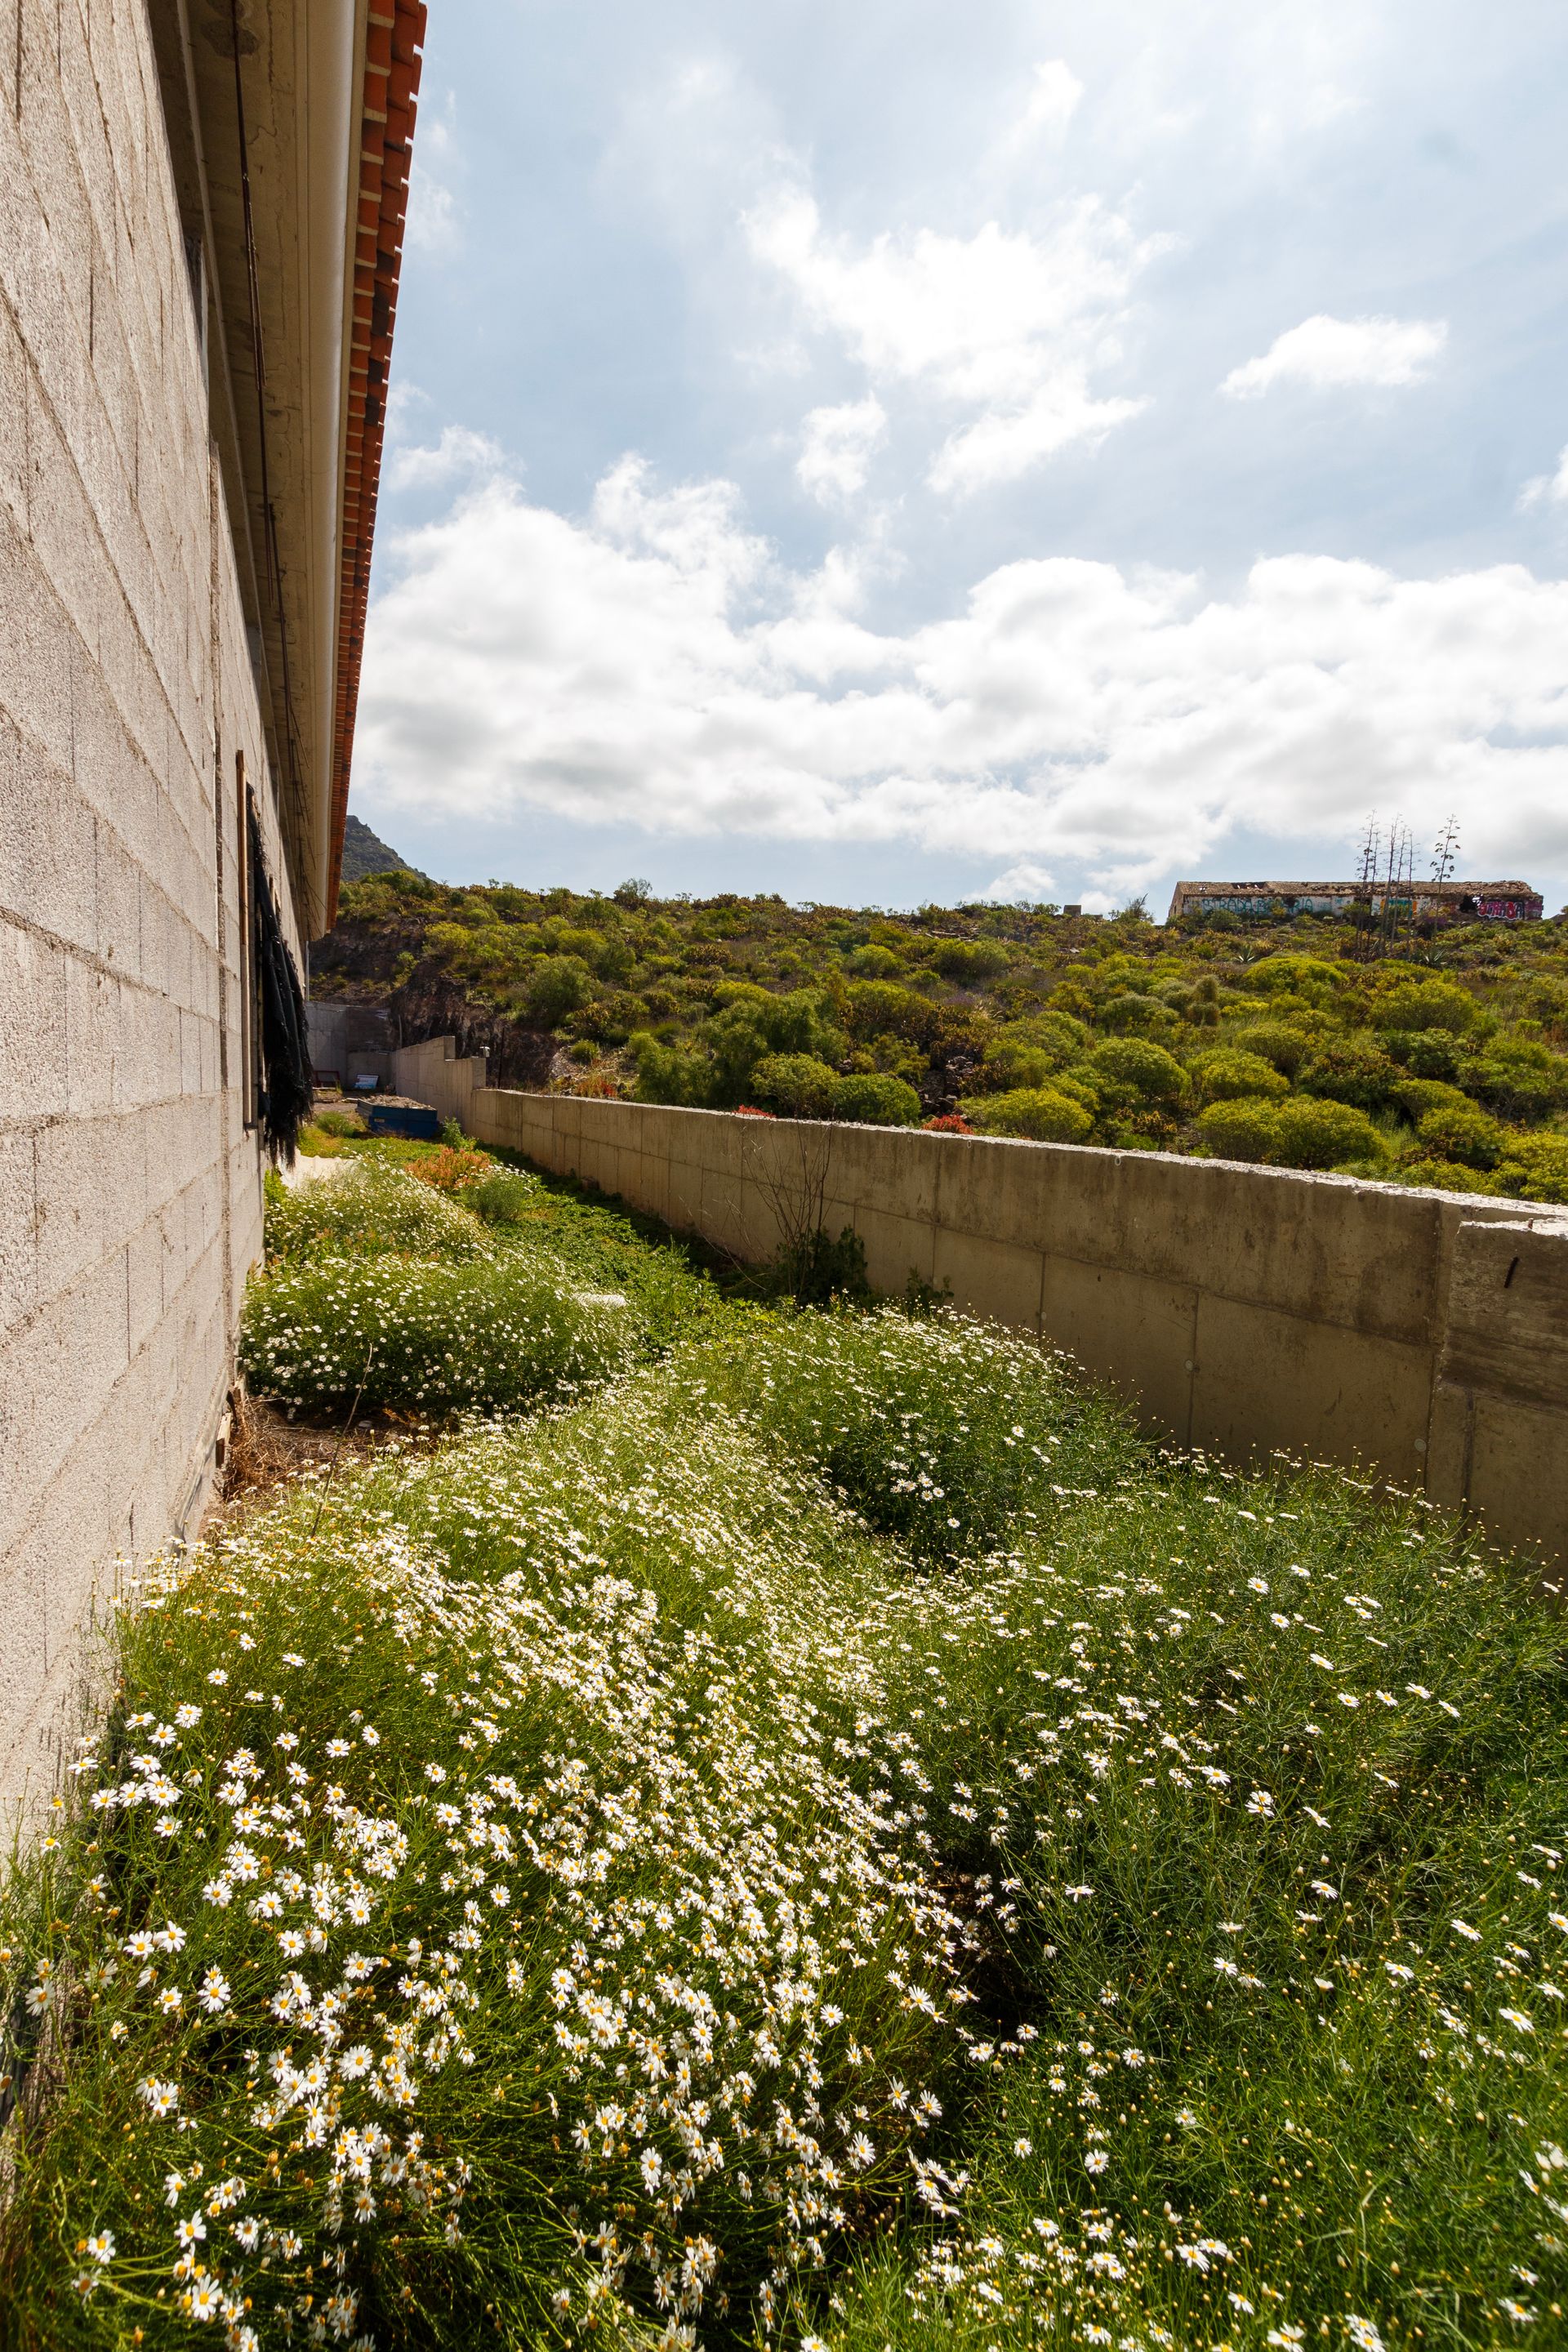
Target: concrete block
{"type": "Point", "coordinates": [1038, 1196]}
{"type": "Point", "coordinates": [52, 1372]}
{"type": "Point", "coordinates": [95, 1032]}
{"type": "Point", "coordinates": [884, 1170]}
{"type": "Point", "coordinates": [33, 973]}
{"type": "Point", "coordinates": [24, 1630]}
{"type": "Point", "coordinates": [1507, 1313]}
{"type": "Point", "coordinates": [148, 1257]}
{"type": "Point", "coordinates": [997, 1279]}
{"type": "Point", "coordinates": [13, 419]}
{"type": "Point", "coordinates": [1450, 1436]}
{"type": "Point", "coordinates": [36, 648]}
{"type": "Point", "coordinates": [1131, 1330]}
{"type": "Point", "coordinates": [77, 1555]}
{"type": "Point", "coordinates": [77, 1198]}
{"type": "Point", "coordinates": [1265, 1382]}
{"type": "Point", "coordinates": [651, 1186]}
{"type": "Point", "coordinates": [19, 1288]}
{"type": "Point", "coordinates": [61, 524]}
{"type": "Point", "coordinates": [896, 1246]}
{"type": "Point", "coordinates": [1518, 1467]}
{"type": "Point", "coordinates": [46, 845]}
{"type": "Point", "coordinates": [125, 940]}
{"type": "Point", "coordinates": [115, 782]}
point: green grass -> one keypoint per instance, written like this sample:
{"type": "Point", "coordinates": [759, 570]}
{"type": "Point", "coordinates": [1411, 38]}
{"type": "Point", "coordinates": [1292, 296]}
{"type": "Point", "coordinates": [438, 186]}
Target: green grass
{"type": "Point", "coordinates": [827, 1839]}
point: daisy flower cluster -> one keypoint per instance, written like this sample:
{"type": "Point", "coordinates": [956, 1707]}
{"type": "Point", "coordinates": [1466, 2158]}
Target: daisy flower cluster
{"type": "Point", "coordinates": [441, 1338]}
{"type": "Point", "coordinates": [574, 1921]}
{"type": "Point", "coordinates": [372, 1209]}
{"type": "Point", "coordinates": [826, 1840]}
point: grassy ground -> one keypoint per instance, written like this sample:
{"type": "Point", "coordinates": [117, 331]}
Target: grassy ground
{"type": "Point", "coordinates": [815, 1834]}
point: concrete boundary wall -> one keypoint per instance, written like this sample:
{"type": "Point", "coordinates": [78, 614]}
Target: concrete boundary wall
{"type": "Point", "coordinates": [1421, 1335]}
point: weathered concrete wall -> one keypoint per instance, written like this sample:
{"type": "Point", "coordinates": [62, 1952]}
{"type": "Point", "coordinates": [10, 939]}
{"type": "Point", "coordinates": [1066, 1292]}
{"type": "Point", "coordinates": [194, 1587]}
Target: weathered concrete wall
{"type": "Point", "coordinates": [352, 1040]}
{"type": "Point", "coordinates": [1424, 1335]}
{"type": "Point", "coordinates": [130, 1190]}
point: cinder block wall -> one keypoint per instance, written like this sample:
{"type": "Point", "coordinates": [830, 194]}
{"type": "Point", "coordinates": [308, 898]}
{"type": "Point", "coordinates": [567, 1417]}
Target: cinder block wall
{"type": "Point", "coordinates": [130, 1190]}
{"type": "Point", "coordinates": [1421, 1335]}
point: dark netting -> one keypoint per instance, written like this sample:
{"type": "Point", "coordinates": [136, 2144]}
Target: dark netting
{"type": "Point", "coordinates": [286, 1084]}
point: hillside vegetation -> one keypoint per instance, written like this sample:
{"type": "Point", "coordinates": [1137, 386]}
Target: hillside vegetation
{"type": "Point", "coordinates": [1446, 1064]}
{"type": "Point", "coordinates": [777, 1848]}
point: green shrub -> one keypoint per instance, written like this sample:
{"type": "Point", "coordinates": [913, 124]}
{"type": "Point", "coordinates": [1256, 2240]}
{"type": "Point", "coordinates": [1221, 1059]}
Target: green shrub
{"type": "Point", "coordinates": [444, 1338]}
{"type": "Point", "coordinates": [1323, 1134]}
{"type": "Point", "coordinates": [1139, 1070]}
{"type": "Point", "coordinates": [1297, 975]}
{"type": "Point", "coordinates": [1240, 1129]}
{"type": "Point", "coordinates": [338, 1122]}
{"type": "Point", "coordinates": [1284, 1043]}
{"type": "Point", "coordinates": [1009, 1062]}
{"type": "Point", "coordinates": [1461, 1132]}
{"type": "Point", "coordinates": [874, 1098]}
{"type": "Point", "coordinates": [1132, 1014]}
{"type": "Point", "coordinates": [1351, 1069]}
{"type": "Point", "coordinates": [815, 1270]}
{"type": "Point", "coordinates": [1445, 1176]}
{"type": "Point", "coordinates": [1229, 1073]}
{"type": "Point", "coordinates": [504, 1198]}
{"type": "Point", "coordinates": [1424, 1004]}
{"type": "Point", "coordinates": [753, 1023]}
{"type": "Point", "coordinates": [877, 1008]}
{"type": "Point", "coordinates": [1297, 1133]}
{"type": "Point", "coordinates": [1535, 1168]}
{"type": "Point", "coordinates": [1426, 1053]}
{"type": "Point", "coordinates": [969, 960]}
{"type": "Point", "coordinates": [370, 1211]}
{"type": "Point", "coordinates": [1057, 1034]}
{"type": "Point", "coordinates": [1519, 1078]}
{"type": "Point", "coordinates": [557, 985]}
{"type": "Point", "coordinates": [794, 1086]}
{"type": "Point", "coordinates": [515, 1772]}
{"type": "Point", "coordinates": [1042, 1114]}
{"type": "Point", "coordinates": [873, 962]}
{"type": "Point", "coordinates": [1417, 1096]}
{"type": "Point", "coordinates": [670, 1074]}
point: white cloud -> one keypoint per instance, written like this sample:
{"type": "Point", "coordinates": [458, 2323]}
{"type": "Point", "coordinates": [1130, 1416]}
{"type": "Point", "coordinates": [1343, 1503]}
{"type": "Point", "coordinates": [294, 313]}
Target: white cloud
{"type": "Point", "coordinates": [432, 226]}
{"type": "Point", "coordinates": [1004, 444]}
{"type": "Point", "coordinates": [653, 663]}
{"type": "Point", "coordinates": [458, 452]}
{"type": "Point", "coordinates": [1328, 354]}
{"type": "Point", "coordinates": [1546, 489]}
{"type": "Point", "coordinates": [1052, 103]}
{"type": "Point", "coordinates": [1023, 885]}
{"type": "Point", "coordinates": [1007, 323]}
{"type": "Point", "coordinates": [434, 219]}
{"type": "Point", "coordinates": [836, 448]}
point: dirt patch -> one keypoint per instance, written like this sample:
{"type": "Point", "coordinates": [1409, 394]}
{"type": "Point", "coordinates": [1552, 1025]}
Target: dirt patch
{"type": "Point", "coordinates": [271, 1449]}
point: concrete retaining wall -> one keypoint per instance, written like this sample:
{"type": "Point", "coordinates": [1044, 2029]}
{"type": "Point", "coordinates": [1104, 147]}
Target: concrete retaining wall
{"type": "Point", "coordinates": [1422, 1335]}
{"type": "Point", "coordinates": [129, 1188]}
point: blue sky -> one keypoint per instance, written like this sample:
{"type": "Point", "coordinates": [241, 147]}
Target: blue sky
{"type": "Point", "coordinates": [921, 452]}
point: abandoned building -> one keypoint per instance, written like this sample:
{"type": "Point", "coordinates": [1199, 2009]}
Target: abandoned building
{"type": "Point", "coordinates": [1453, 902]}
{"type": "Point", "coordinates": [201, 211]}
